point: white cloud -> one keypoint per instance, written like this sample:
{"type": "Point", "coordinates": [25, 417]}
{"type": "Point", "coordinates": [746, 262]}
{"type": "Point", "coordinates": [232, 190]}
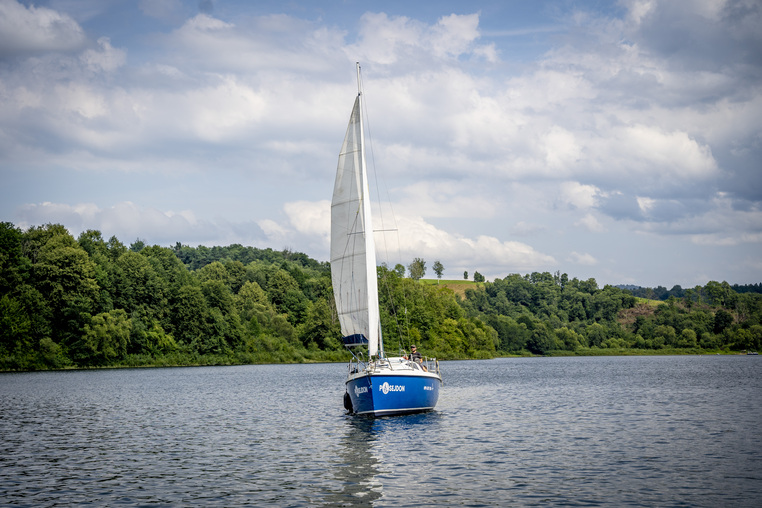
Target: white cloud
{"type": "Point", "coordinates": [221, 110]}
{"type": "Point", "coordinates": [391, 40]}
{"type": "Point", "coordinates": [561, 149]}
{"type": "Point", "coordinates": [619, 119]}
{"type": "Point", "coordinates": [648, 151]}
{"type": "Point", "coordinates": [582, 259]}
{"type": "Point", "coordinates": [412, 236]}
{"type": "Point", "coordinates": [312, 218]}
{"type": "Point", "coordinates": [442, 199]}
{"type": "Point", "coordinates": [454, 35]}
{"type": "Point", "coordinates": [578, 195]}
{"type": "Point", "coordinates": [107, 59]}
{"type": "Point", "coordinates": [591, 223]}
{"type": "Point", "coordinates": [488, 254]}
{"type": "Point", "coordinates": [36, 29]}
{"type": "Point", "coordinates": [273, 231]}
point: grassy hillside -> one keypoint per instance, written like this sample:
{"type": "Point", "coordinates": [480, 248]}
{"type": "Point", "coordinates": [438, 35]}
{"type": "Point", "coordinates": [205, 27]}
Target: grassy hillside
{"type": "Point", "coordinates": [457, 286]}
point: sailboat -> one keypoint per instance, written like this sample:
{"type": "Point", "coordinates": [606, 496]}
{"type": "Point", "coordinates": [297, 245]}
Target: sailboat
{"type": "Point", "coordinates": [376, 384]}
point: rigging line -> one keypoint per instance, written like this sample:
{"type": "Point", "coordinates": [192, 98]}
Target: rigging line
{"type": "Point", "coordinates": [403, 328]}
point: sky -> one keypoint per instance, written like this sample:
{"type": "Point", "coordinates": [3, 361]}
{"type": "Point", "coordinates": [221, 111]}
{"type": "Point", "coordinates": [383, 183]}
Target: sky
{"type": "Point", "coordinates": [615, 140]}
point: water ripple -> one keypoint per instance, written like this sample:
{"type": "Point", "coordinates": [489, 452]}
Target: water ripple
{"type": "Point", "coordinates": [666, 431]}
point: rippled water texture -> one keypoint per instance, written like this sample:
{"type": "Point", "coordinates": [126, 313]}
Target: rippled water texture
{"type": "Point", "coordinates": [621, 431]}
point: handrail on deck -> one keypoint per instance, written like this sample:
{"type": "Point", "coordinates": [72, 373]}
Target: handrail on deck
{"type": "Point", "coordinates": [429, 364]}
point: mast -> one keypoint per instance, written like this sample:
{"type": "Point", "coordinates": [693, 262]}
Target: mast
{"type": "Point", "coordinates": [375, 342]}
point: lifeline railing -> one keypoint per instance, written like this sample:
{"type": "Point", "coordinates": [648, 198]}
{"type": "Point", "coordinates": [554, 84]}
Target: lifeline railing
{"type": "Point", "coordinates": [358, 364]}
{"type": "Point", "coordinates": [430, 364]}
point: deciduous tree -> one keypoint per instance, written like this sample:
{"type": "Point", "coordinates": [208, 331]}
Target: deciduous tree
{"type": "Point", "coordinates": [417, 269]}
{"type": "Point", "coordinates": [438, 269]}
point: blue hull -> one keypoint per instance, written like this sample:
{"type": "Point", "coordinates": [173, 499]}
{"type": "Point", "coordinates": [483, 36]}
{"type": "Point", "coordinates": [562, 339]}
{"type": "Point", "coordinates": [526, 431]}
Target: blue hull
{"type": "Point", "coordinates": [389, 394]}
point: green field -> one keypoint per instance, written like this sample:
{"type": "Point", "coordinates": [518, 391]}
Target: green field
{"type": "Point", "coordinates": [457, 286]}
{"type": "Point", "coordinates": [646, 301]}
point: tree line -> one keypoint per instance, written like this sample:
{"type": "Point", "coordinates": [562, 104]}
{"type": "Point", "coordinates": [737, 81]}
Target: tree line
{"type": "Point", "coordinates": [88, 302]}
{"type": "Point", "coordinates": [547, 313]}
{"type": "Point", "coordinates": [677, 291]}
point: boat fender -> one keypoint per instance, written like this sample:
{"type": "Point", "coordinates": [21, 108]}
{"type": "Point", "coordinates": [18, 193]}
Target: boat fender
{"type": "Point", "coordinates": [347, 402]}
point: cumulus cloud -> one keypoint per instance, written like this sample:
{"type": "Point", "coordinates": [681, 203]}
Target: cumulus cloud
{"type": "Point", "coordinates": [29, 30]}
{"type": "Point", "coordinates": [106, 58]}
{"type": "Point", "coordinates": [313, 218]}
{"type": "Point", "coordinates": [582, 259]}
{"type": "Point", "coordinates": [416, 237]}
{"type": "Point", "coordinates": [649, 159]}
{"type": "Point", "coordinates": [394, 40]}
{"type": "Point", "coordinates": [577, 195]}
{"type": "Point", "coordinates": [618, 127]}
{"type": "Point", "coordinates": [719, 223]}
{"type": "Point", "coordinates": [591, 223]}
{"type": "Point", "coordinates": [412, 236]}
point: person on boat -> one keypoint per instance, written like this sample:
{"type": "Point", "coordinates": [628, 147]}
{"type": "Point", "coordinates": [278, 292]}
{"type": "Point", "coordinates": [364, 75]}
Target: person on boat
{"type": "Point", "coordinates": [416, 357]}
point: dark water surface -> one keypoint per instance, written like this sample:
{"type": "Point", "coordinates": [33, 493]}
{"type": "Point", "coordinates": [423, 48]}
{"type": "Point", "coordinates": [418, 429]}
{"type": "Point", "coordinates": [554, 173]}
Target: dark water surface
{"type": "Point", "coordinates": [613, 431]}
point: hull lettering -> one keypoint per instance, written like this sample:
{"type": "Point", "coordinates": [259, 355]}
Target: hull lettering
{"type": "Point", "coordinates": [386, 388]}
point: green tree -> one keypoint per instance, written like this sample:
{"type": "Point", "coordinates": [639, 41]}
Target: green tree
{"type": "Point", "coordinates": [190, 312]}
{"type": "Point", "coordinates": [105, 337]}
{"type": "Point", "coordinates": [417, 269]}
{"type": "Point", "coordinates": [465, 274]}
{"type": "Point", "coordinates": [687, 338]}
{"type": "Point", "coordinates": [14, 266]}
{"type": "Point", "coordinates": [722, 320]}
{"type": "Point", "coordinates": [279, 284]}
{"type": "Point", "coordinates": [132, 290]}
{"type": "Point", "coordinates": [218, 295]}
{"type": "Point", "coordinates": [667, 335]}
{"type": "Point", "coordinates": [320, 328]}
{"type": "Point", "coordinates": [158, 342]}
{"type": "Point", "coordinates": [65, 274]}
{"type": "Point", "coordinates": [595, 334]}
{"type": "Point", "coordinates": [542, 340]}
{"type": "Point", "coordinates": [438, 269]}
{"type": "Point", "coordinates": [16, 346]}
{"type": "Point", "coordinates": [512, 334]}
{"type": "Point", "coordinates": [570, 339]}
{"type": "Point", "coordinates": [720, 293]}
{"type": "Point", "coordinates": [249, 296]}
{"type": "Point", "coordinates": [478, 277]}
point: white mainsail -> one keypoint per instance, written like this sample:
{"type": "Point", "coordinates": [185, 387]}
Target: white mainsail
{"type": "Point", "coordinates": [353, 251]}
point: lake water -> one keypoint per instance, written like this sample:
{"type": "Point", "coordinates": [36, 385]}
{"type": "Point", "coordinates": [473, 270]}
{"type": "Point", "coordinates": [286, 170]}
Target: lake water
{"type": "Point", "coordinates": [602, 431]}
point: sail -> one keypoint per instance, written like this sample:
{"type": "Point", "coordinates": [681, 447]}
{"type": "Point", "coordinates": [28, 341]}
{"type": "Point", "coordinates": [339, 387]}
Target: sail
{"type": "Point", "coordinates": [353, 254]}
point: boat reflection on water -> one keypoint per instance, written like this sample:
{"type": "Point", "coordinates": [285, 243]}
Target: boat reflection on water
{"type": "Point", "coordinates": [368, 452]}
{"type": "Point", "coordinates": [356, 465]}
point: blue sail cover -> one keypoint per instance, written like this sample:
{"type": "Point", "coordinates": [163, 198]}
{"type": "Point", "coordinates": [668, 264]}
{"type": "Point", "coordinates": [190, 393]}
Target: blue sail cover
{"type": "Point", "coordinates": [356, 339]}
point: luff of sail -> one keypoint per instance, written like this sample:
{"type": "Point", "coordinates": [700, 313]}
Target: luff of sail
{"type": "Point", "coordinates": [353, 254]}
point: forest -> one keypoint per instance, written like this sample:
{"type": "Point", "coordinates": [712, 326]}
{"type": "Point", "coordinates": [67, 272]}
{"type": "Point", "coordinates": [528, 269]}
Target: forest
{"type": "Point", "coordinates": [88, 302]}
